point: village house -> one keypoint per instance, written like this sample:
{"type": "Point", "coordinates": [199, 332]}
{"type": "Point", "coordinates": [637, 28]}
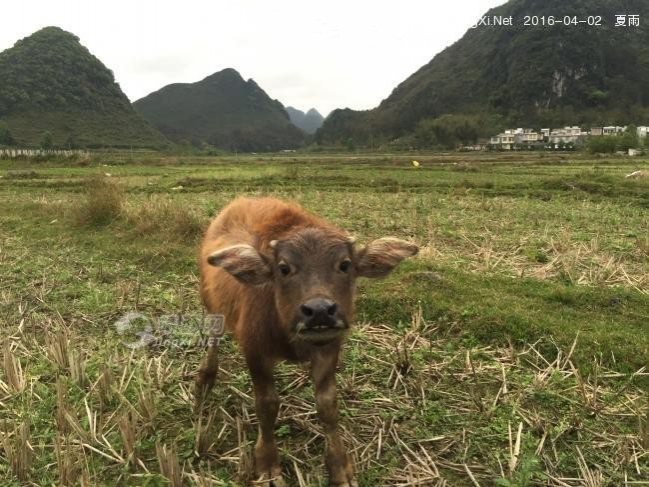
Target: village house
{"type": "Point", "coordinates": [527, 136]}
{"type": "Point", "coordinates": [566, 135]}
{"type": "Point", "coordinates": [503, 141]}
{"type": "Point", "coordinates": [612, 130]}
{"type": "Point", "coordinates": [555, 138]}
{"type": "Point", "coordinates": [515, 137]}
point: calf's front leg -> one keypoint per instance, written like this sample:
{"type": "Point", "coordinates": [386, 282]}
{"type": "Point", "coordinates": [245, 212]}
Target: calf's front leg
{"type": "Point", "coordinates": [268, 471]}
{"type": "Point", "coordinates": [339, 466]}
{"type": "Point", "coordinates": [206, 375]}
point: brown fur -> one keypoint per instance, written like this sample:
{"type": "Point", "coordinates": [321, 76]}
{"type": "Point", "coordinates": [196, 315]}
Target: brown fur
{"type": "Point", "coordinates": [243, 258]}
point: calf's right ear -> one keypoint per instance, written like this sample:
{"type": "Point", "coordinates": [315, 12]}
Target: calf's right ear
{"type": "Point", "coordinates": [243, 262]}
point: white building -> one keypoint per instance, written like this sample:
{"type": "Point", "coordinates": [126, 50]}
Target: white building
{"type": "Point", "coordinates": [643, 131]}
{"type": "Point", "coordinates": [520, 136]}
{"type": "Point", "coordinates": [566, 135]}
{"type": "Point", "coordinates": [504, 140]}
{"type": "Point", "coordinates": [613, 130]}
{"type": "Point", "coordinates": [527, 136]}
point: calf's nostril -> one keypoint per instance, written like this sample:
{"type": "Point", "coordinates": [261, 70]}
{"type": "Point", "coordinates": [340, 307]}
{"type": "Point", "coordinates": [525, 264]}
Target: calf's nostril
{"type": "Point", "coordinates": [307, 311]}
{"type": "Point", "coordinates": [318, 312]}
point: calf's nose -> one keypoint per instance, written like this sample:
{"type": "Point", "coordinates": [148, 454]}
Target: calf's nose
{"type": "Point", "coordinates": [319, 312]}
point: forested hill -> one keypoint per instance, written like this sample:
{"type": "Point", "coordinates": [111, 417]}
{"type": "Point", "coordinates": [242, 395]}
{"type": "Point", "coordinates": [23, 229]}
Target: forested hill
{"type": "Point", "coordinates": [522, 75]}
{"type": "Point", "coordinates": [222, 110]}
{"type": "Point", "coordinates": [50, 83]}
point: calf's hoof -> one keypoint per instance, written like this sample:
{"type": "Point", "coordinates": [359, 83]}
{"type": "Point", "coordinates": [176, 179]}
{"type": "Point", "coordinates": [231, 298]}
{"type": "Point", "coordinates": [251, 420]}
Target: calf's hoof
{"type": "Point", "coordinates": [271, 479]}
{"type": "Point", "coordinates": [268, 470]}
{"type": "Point", "coordinates": [346, 483]}
{"type": "Point", "coordinates": [342, 476]}
{"type": "Point", "coordinates": [202, 386]}
{"type": "Point", "coordinates": [204, 382]}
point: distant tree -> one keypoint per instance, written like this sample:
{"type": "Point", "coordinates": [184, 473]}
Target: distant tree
{"type": "Point", "coordinates": [71, 142]}
{"type": "Point", "coordinates": [47, 142]}
{"type": "Point", "coordinates": [447, 131]}
{"type": "Point", "coordinates": [629, 139]}
{"type": "Point", "coordinates": [5, 135]}
{"type": "Point", "coordinates": [597, 97]}
{"type": "Point", "coordinates": [425, 134]}
{"type": "Point", "coordinates": [602, 144]}
{"type": "Point", "coordinates": [491, 124]}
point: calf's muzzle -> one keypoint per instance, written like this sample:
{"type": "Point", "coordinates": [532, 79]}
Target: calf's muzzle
{"type": "Point", "coordinates": [319, 313]}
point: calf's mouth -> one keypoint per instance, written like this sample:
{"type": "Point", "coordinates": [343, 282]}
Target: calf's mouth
{"type": "Point", "coordinates": [320, 333]}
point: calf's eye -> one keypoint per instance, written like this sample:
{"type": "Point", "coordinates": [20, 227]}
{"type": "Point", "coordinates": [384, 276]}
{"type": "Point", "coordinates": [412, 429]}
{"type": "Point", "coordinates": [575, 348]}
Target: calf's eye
{"type": "Point", "coordinates": [284, 268]}
{"type": "Point", "coordinates": [345, 265]}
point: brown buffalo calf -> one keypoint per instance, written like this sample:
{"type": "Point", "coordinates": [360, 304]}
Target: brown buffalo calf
{"type": "Point", "coordinates": [284, 281]}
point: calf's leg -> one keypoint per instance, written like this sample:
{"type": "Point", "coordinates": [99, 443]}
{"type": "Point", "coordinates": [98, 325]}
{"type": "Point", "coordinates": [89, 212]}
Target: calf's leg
{"type": "Point", "coordinates": [206, 375]}
{"type": "Point", "coordinates": [339, 467]}
{"type": "Point", "coordinates": [267, 466]}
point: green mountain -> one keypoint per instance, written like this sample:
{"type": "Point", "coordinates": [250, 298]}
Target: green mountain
{"type": "Point", "coordinates": [309, 122]}
{"type": "Point", "coordinates": [522, 75]}
{"type": "Point", "coordinates": [50, 83]}
{"type": "Point", "coordinates": [223, 110]}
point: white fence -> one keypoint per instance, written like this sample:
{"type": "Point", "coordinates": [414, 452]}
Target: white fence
{"type": "Point", "coordinates": [26, 153]}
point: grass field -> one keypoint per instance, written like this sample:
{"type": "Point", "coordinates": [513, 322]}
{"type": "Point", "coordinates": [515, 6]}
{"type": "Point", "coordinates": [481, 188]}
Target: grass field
{"type": "Point", "coordinates": [512, 351]}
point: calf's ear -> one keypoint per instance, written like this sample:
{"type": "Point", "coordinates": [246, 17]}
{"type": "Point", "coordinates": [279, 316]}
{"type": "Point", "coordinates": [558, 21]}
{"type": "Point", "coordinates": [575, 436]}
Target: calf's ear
{"type": "Point", "coordinates": [379, 257]}
{"type": "Point", "coordinates": [243, 262]}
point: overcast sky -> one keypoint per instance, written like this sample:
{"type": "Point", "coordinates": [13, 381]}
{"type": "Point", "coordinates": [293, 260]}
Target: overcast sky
{"type": "Point", "coordinates": [325, 54]}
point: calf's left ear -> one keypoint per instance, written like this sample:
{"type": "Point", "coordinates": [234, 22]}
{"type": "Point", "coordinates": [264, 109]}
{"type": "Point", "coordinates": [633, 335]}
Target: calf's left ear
{"type": "Point", "coordinates": [382, 255]}
{"type": "Point", "coordinates": [243, 262]}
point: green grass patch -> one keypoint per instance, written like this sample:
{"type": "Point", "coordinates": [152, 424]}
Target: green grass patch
{"type": "Point", "coordinates": [459, 356]}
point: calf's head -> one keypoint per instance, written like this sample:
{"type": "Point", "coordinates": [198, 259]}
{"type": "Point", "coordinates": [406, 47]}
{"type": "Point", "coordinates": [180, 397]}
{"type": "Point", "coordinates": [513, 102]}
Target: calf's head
{"type": "Point", "coordinates": [312, 273]}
